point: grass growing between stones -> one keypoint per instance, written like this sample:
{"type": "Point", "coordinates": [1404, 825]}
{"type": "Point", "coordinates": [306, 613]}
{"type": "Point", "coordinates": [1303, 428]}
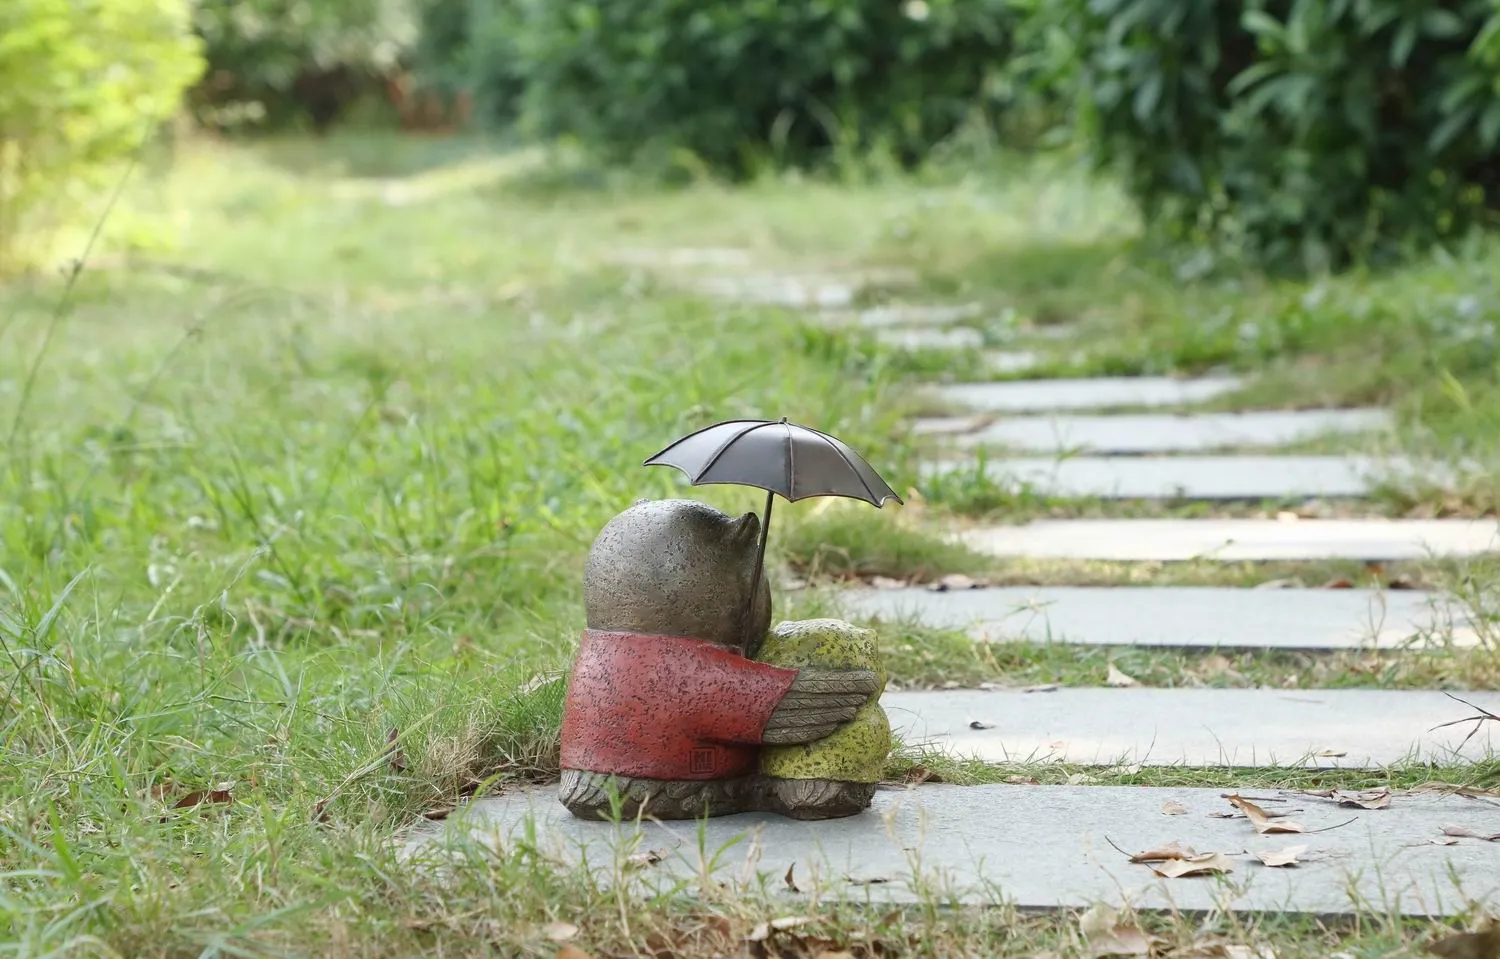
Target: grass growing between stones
{"type": "Point", "coordinates": [293, 511]}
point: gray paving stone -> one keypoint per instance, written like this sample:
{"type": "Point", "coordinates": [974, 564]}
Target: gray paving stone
{"type": "Point", "coordinates": [1175, 616]}
{"type": "Point", "coordinates": [1242, 477]}
{"type": "Point", "coordinates": [924, 338]}
{"type": "Point", "coordinates": [1030, 846]}
{"type": "Point", "coordinates": [893, 315]}
{"type": "Point", "coordinates": [805, 291]}
{"type": "Point", "coordinates": [1172, 433]}
{"type": "Point", "coordinates": [1017, 361]}
{"type": "Point", "coordinates": [1318, 728]}
{"type": "Point", "coordinates": [1029, 396]}
{"type": "Point", "coordinates": [1233, 540]}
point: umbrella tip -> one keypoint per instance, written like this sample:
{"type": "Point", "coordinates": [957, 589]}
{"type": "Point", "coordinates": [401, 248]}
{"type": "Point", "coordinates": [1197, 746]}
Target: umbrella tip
{"type": "Point", "coordinates": [783, 419]}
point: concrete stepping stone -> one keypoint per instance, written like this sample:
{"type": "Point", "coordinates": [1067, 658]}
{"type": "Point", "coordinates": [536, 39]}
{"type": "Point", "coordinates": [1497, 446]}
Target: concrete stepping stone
{"type": "Point", "coordinates": [1189, 477]}
{"type": "Point", "coordinates": [1013, 361]}
{"type": "Point", "coordinates": [795, 290]}
{"type": "Point", "coordinates": [1179, 617]}
{"type": "Point", "coordinates": [1234, 540]}
{"type": "Point", "coordinates": [1033, 847]}
{"type": "Point", "coordinates": [1030, 396]}
{"type": "Point", "coordinates": [1171, 433]}
{"type": "Point", "coordinates": [923, 338]}
{"type": "Point", "coordinates": [898, 315]}
{"type": "Point", "coordinates": [1301, 728]}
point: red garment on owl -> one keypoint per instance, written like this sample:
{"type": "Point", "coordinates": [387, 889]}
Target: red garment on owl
{"type": "Point", "coordinates": [667, 707]}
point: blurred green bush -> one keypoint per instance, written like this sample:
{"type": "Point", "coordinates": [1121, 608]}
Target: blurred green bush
{"type": "Point", "coordinates": [466, 53]}
{"type": "Point", "coordinates": [1301, 134]}
{"type": "Point", "coordinates": [81, 87]}
{"type": "Point", "coordinates": [738, 85]}
{"type": "Point", "coordinates": [299, 63]}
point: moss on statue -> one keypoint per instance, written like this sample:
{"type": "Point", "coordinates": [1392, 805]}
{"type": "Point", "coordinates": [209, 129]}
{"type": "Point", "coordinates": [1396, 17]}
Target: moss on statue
{"type": "Point", "coordinates": [856, 752]}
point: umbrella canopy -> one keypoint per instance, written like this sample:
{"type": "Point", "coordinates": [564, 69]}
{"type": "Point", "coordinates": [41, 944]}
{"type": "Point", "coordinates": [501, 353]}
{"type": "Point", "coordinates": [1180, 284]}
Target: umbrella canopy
{"type": "Point", "coordinates": [795, 462]}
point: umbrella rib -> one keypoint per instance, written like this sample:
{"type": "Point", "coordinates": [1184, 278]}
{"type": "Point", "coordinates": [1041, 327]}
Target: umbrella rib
{"type": "Point", "coordinates": [852, 468]}
{"type": "Point", "coordinates": [728, 443]}
{"type": "Point", "coordinates": [678, 442]}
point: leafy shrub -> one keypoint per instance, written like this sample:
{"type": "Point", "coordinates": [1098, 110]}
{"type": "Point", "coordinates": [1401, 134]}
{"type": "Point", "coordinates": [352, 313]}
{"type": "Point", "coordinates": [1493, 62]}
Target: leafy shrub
{"type": "Point", "coordinates": [295, 62]}
{"type": "Point", "coordinates": [465, 54]}
{"type": "Point", "coordinates": [81, 86]}
{"type": "Point", "coordinates": [1307, 133]}
{"type": "Point", "coordinates": [734, 83]}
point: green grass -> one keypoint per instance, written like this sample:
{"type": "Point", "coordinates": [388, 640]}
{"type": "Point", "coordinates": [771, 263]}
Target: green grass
{"type": "Point", "coordinates": [294, 500]}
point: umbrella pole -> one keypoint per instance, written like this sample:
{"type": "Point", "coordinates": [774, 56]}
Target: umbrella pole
{"type": "Point", "coordinates": [760, 562]}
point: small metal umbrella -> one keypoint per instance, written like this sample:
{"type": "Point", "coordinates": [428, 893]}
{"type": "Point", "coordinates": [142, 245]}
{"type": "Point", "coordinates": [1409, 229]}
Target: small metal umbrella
{"type": "Point", "coordinates": [797, 462]}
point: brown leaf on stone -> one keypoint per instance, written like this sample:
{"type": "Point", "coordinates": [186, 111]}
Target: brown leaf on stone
{"type": "Point", "coordinates": [763, 930]}
{"type": "Point", "coordinates": [1464, 832]}
{"type": "Point", "coordinates": [1281, 857]}
{"type": "Point", "coordinates": [1443, 841]}
{"type": "Point", "coordinates": [1105, 934]}
{"type": "Point", "coordinates": [1340, 583]}
{"type": "Point", "coordinates": [1042, 688]}
{"type": "Point", "coordinates": [1332, 753]}
{"type": "Point", "coordinates": [980, 724]}
{"type": "Point", "coordinates": [791, 882]}
{"type": "Point", "coordinates": [1368, 799]}
{"type": "Point", "coordinates": [1173, 808]}
{"type": "Point", "coordinates": [1263, 823]}
{"type": "Point", "coordinates": [1118, 679]}
{"type": "Point", "coordinates": [867, 880]}
{"type": "Point", "coordinates": [641, 860]}
{"type": "Point", "coordinates": [570, 951]}
{"type": "Point", "coordinates": [955, 581]}
{"type": "Point", "coordinates": [1206, 864]}
{"type": "Point", "coordinates": [1022, 781]}
{"type": "Point", "coordinates": [886, 582]}
{"type": "Point", "coordinates": [917, 775]}
{"type": "Point", "coordinates": [438, 814]}
{"type": "Point", "coordinates": [1484, 944]}
{"type": "Point", "coordinates": [1172, 850]}
{"type": "Point", "coordinates": [1403, 582]}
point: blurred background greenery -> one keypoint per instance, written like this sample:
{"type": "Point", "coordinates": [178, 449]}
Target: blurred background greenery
{"type": "Point", "coordinates": [1287, 134]}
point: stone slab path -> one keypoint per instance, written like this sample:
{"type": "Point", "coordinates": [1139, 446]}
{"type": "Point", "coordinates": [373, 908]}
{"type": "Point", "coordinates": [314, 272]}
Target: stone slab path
{"type": "Point", "coordinates": [1035, 847]}
{"type": "Point", "coordinates": [1231, 540]}
{"type": "Point", "coordinates": [1189, 477]}
{"type": "Point", "coordinates": [1136, 433]}
{"type": "Point", "coordinates": [1325, 728]}
{"type": "Point", "coordinates": [922, 338]}
{"type": "Point", "coordinates": [1175, 617]}
{"type": "Point", "coordinates": [1027, 396]}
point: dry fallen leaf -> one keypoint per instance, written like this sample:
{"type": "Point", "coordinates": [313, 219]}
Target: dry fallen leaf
{"type": "Point", "coordinates": [866, 880]}
{"type": "Point", "coordinates": [649, 857]}
{"type": "Point", "coordinates": [1340, 583]}
{"type": "Point", "coordinates": [1282, 857]}
{"type": "Point", "coordinates": [955, 581]}
{"type": "Point", "coordinates": [917, 775]}
{"type": "Point", "coordinates": [394, 756]}
{"type": "Point", "coordinates": [203, 797]}
{"type": "Point", "coordinates": [1171, 850]}
{"type": "Point", "coordinates": [1173, 808]}
{"type": "Point", "coordinates": [570, 951]}
{"type": "Point", "coordinates": [559, 931]}
{"type": "Point", "coordinates": [1042, 688]}
{"type": "Point", "coordinates": [1368, 799]}
{"type": "Point", "coordinates": [980, 724]}
{"type": "Point", "coordinates": [1106, 935]}
{"type": "Point", "coordinates": [1444, 841]}
{"type": "Point", "coordinates": [1464, 832]}
{"type": "Point", "coordinates": [1204, 865]}
{"type": "Point", "coordinates": [1258, 817]}
{"type": "Point", "coordinates": [438, 814]}
{"type": "Point", "coordinates": [1333, 753]}
{"type": "Point", "coordinates": [885, 582]}
{"type": "Point", "coordinates": [1022, 781]}
{"type": "Point", "coordinates": [1484, 944]}
{"type": "Point", "coordinates": [763, 931]}
{"type": "Point", "coordinates": [1118, 679]}
{"type": "Point", "coordinates": [791, 883]}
